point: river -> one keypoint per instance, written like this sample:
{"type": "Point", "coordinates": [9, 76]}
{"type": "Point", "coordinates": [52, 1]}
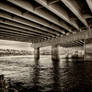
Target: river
{"type": "Point", "coordinates": [46, 75]}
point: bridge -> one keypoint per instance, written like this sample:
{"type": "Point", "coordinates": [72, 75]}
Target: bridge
{"type": "Point", "coordinates": [43, 23]}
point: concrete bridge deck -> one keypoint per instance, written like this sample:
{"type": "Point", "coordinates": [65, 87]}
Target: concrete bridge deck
{"type": "Point", "coordinates": [46, 22]}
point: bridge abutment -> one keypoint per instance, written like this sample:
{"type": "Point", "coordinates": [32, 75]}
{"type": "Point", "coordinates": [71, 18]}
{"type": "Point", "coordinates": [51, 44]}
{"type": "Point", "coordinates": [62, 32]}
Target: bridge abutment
{"type": "Point", "coordinates": [36, 53]}
{"type": "Point", "coordinates": [54, 53]}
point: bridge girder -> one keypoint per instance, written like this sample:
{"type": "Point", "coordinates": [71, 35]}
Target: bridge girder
{"type": "Point", "coordinates": [47, 22]}
{"type": "Point", "coordinates": [89, 2]}
{"type": "Point", "coordinates": [59, 11]}
{"type": "Point", "coordinates": [25, 22]}
{"type": "Point", "coordinates": [41, 12]}
{"type": "Point", "coordinates": [29, 16]}
{"type": "Point", "coordinates": [65, 39]}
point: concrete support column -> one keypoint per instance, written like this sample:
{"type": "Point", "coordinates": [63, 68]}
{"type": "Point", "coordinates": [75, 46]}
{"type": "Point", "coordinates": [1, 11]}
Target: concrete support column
{"type": "Point", "coordinates": [36, 53]}
{"type": "Point", "coordinates": [54, 53]}
{"type": "Point", "coordinates": [84, 49]}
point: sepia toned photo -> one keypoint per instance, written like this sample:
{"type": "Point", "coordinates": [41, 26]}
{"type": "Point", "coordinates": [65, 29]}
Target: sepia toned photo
{"type": "Point", "coordinates": [45, 45]}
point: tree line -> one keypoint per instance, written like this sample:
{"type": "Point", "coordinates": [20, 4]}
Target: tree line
{"type": "Point", "coordinates": [8, 52]}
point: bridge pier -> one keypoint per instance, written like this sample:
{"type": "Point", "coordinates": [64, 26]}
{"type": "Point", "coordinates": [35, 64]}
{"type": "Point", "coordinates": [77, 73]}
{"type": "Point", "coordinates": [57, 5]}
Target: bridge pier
{"type": "Point", "coordinates": [36, 53]}
{"type": "Point", "coordinates": [54, 53]}
{"type": "Point", "coordinates": [84, 49]}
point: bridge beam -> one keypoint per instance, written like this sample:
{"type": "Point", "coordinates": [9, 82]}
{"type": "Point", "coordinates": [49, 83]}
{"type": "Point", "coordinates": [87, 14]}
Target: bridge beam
{"type": "Point", "coordinates": [73, 6]}
{"type": "Point", "coordinates": [40, 12]}
{"type": "Point", "coordinates": [30, 17]}
{"type": "Point", "coordinates": [59, 12]}
{"type": "Point", "coordinates": [27, 23]}
{"type": "Point", "coordinates": [65, 39]}
{"type": "Point", "coordinates": [24, 31]}
{"type": "Point", "coordinates": [89, 2]}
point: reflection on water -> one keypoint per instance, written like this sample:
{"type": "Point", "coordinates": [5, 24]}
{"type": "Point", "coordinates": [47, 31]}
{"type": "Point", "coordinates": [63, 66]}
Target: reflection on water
{"type": "Point", "coordinates": [36, 76]}
{"type": "Point", "coordinates": [46, 75]}
{"type": "Point", "coordinates": [56, 77]}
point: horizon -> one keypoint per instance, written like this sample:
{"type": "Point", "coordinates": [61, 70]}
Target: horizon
{"type": "Point", "coordinates": [7, 44]}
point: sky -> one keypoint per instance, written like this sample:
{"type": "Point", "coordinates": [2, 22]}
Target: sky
{"type": "Point", "coordinates": [6, 44]}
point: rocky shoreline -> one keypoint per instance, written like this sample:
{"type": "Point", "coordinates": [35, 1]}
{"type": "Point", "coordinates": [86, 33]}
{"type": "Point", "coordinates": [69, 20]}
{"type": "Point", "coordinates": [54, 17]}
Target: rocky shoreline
{"type": "Point", "coordinates": [6, 86]}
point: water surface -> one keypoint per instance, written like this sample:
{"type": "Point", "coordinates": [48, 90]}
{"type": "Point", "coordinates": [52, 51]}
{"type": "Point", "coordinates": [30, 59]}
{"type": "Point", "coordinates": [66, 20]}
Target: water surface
{"type": "Point", "coordinates": [46, 75]}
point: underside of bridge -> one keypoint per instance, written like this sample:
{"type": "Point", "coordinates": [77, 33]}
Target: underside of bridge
{"type": "Point", "coordinates": [46, 22]}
